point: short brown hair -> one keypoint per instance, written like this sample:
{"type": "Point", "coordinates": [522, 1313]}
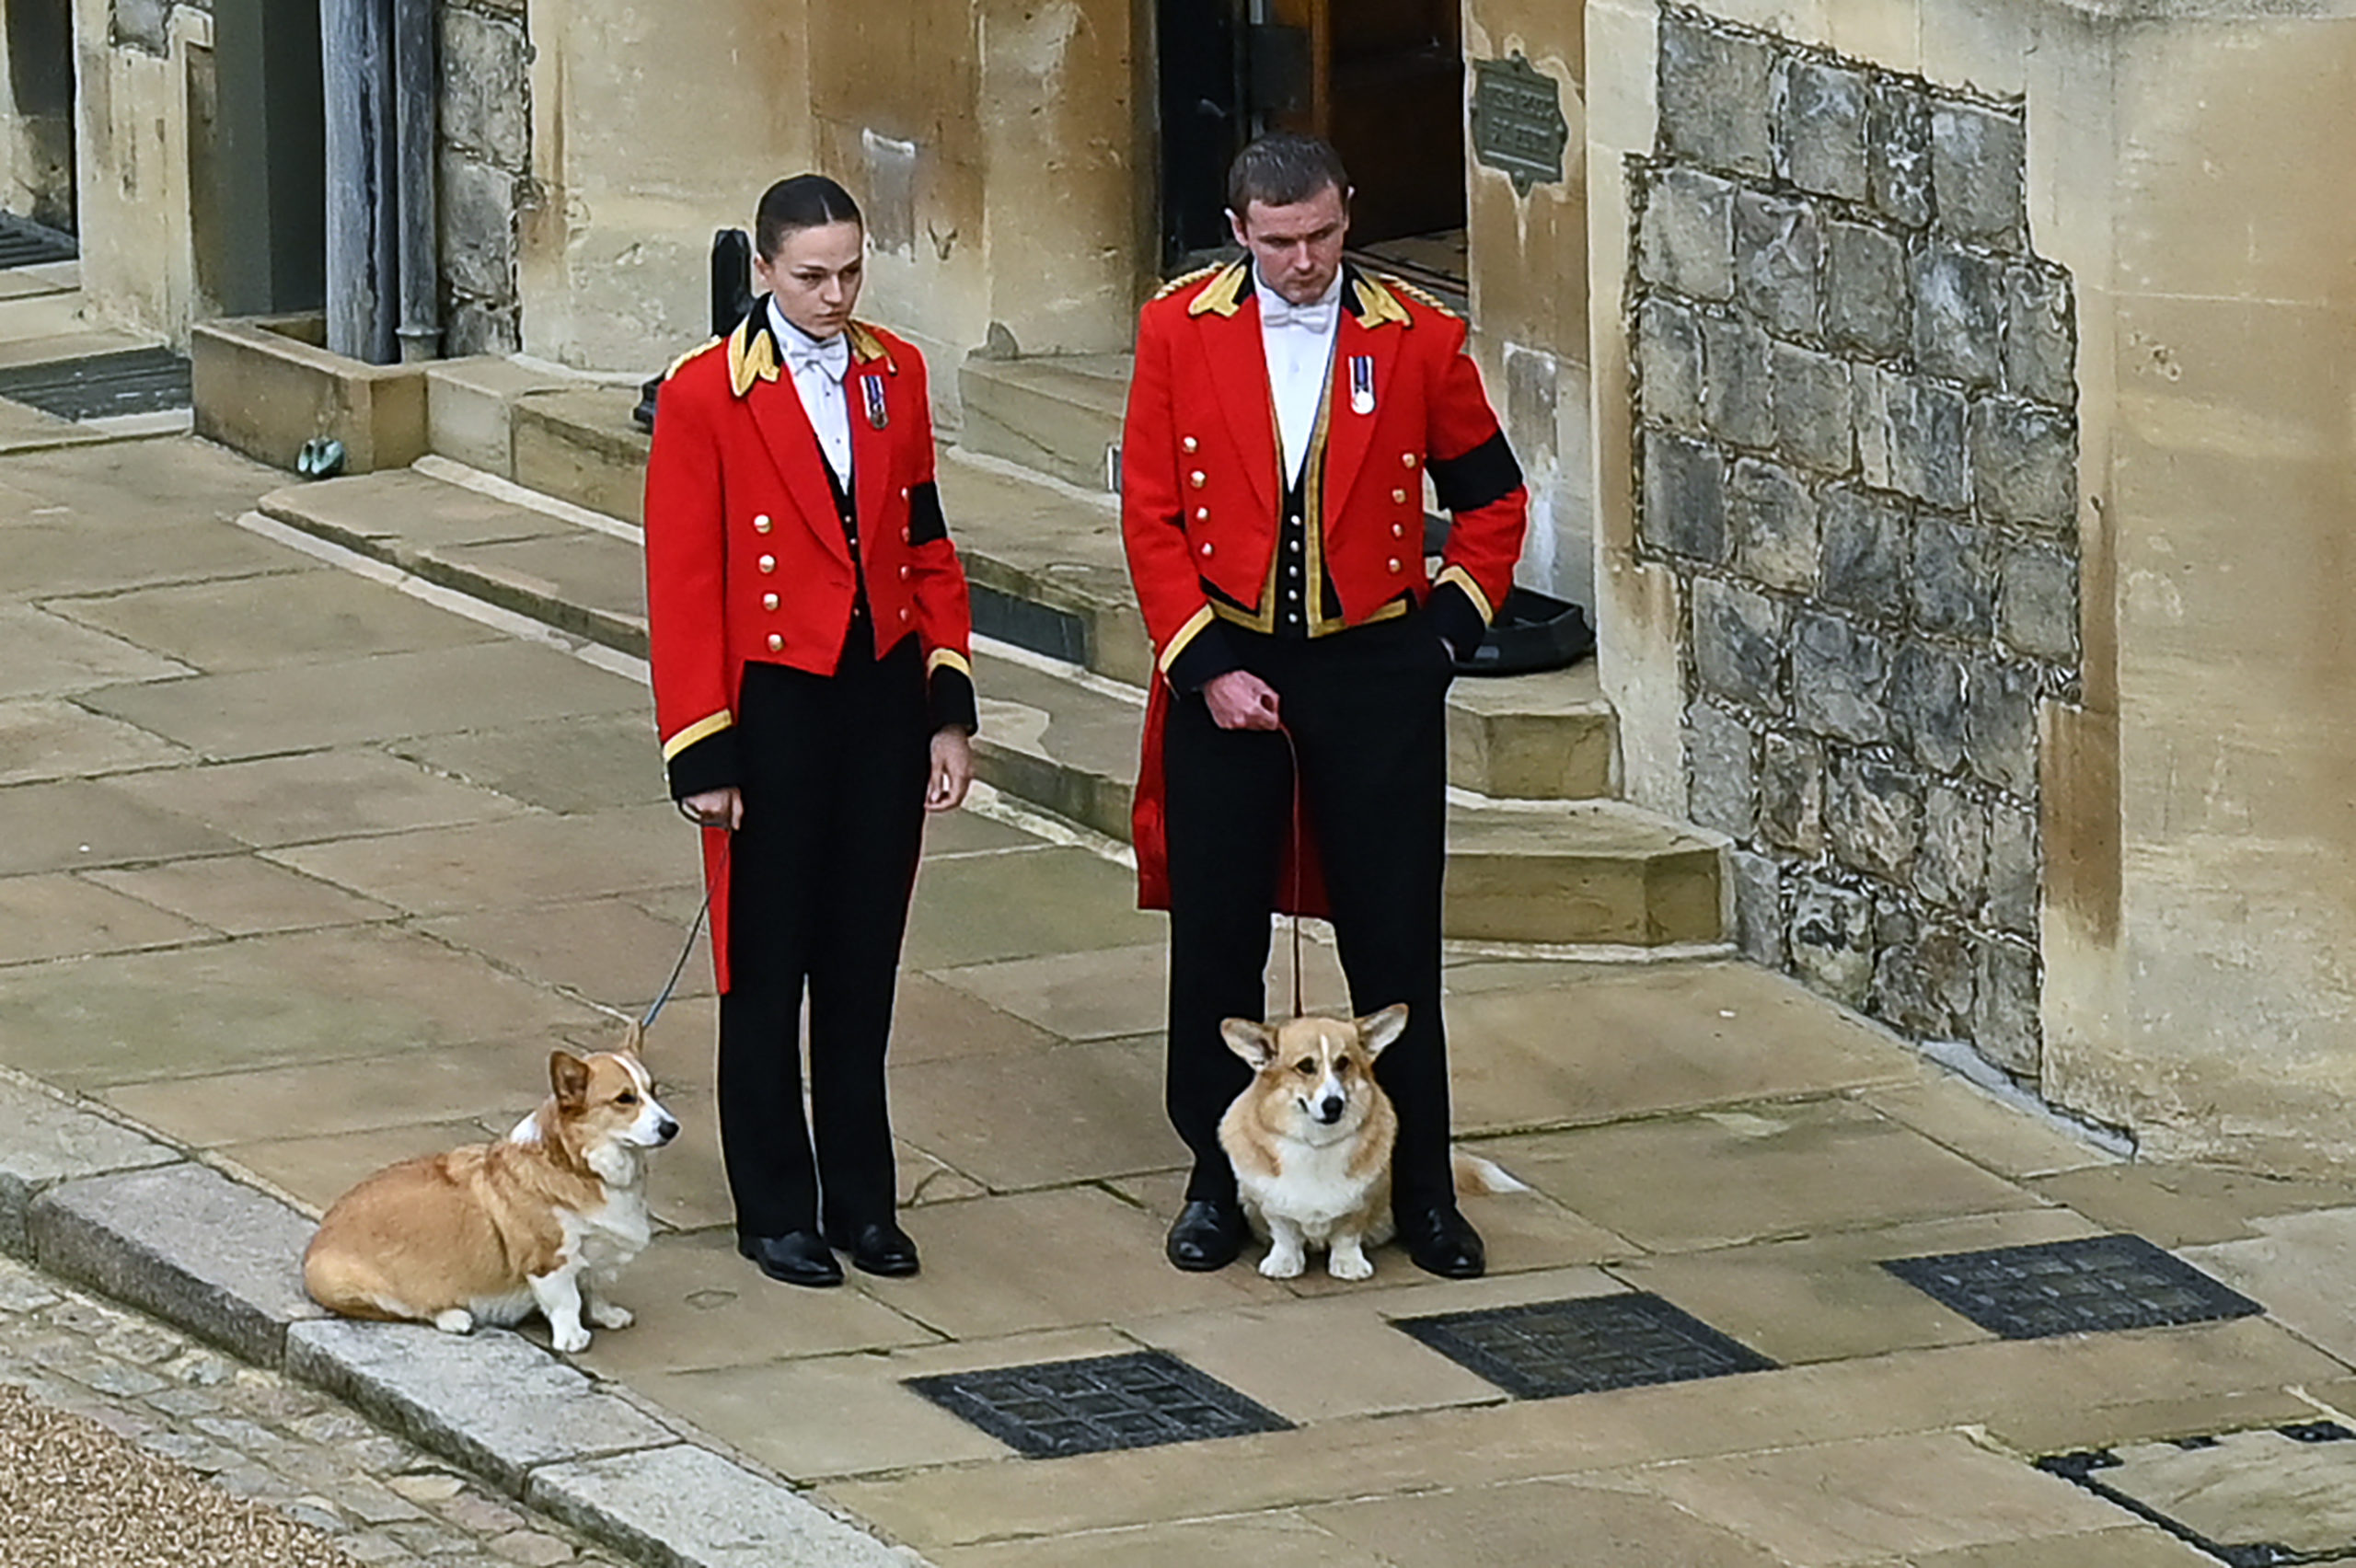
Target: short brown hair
{"type": "Point", "coordinates": [806, 200]}
{"type": "Point", "coordinates": [1281, 169]}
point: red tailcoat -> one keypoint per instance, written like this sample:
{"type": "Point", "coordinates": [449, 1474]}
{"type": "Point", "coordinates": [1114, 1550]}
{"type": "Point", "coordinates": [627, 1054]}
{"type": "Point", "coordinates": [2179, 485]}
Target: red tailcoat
{"type": "Point", "coordinates": [1201, 484]}
{"type": "Point", "coordinates": [745, 554]}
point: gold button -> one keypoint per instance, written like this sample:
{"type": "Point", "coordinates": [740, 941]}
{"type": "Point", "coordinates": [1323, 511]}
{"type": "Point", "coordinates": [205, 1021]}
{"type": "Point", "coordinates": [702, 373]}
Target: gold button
{"type": "Point", "coordinates": [1207, 546]}
{"type": "Point", "coordinates": [1400, 497]}
{"type": "Point", "coordinates": [769, 601]}
{"type": "Point", "coordinates": [904, 492]}
{"type": "Point", "coordinates": [1202, 514]}
{"type": "Point", "coordinates": [905, 536]}
{"type": "Point", "coordinates": [1406, 459]}
{"type": "Point", "coordinates": [777, 643]}
{"type": "Point", "coordinates": [1395, 564]}
{"type": "Point", "coordinates": [767, 563]}
{"type": "Point", "coordinates": [903, 574]}
{"type": "Point", "coordinates": [1398, 530]}
{"type": "Point", "coordinates": [1189, 444]}
{"type": "Point", "coordinates": [904, 615]}
{"type": "Point", "coordinates": [1197, 479]}
{"type": "Point", "coordinates": [761, 524]}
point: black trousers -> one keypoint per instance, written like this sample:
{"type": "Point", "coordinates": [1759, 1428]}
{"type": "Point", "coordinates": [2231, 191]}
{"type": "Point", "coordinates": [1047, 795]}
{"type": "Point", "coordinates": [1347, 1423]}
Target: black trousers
{"type": "Point", "coordinates": [1367, 712]}
{"type": "Point", "coordinates": [835, 770]}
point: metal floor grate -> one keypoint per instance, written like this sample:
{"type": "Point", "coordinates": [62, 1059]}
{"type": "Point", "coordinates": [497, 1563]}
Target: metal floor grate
{"type": "Point", "coordinates": [2090, 1286]}
{"type": "Point", "coordinates": [24, 243]}
{"type": "Point", "coordinates": [1059, 1407]}
{"type": "Point", "coordinates": [2259, 1499]}
{"type": "Point", "coordinates": [137, 381]}
{"type": "Point", "coordinates": [1583, 1344]}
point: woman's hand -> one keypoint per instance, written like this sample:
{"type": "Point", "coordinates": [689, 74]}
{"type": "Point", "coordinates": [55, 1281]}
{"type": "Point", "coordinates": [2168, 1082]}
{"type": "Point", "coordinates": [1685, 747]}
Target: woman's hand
{"type": "Point", "coordinates": [952, 771]}
{"type": "Point", "coordinates": [716, 808]}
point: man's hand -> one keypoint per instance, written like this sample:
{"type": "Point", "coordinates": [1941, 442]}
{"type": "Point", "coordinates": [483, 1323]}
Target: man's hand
{"type": "Point", "coordinates": [717, 808]}
{"type": "Point", "coordinates": [952, 771]}
{"type": "Point", "coordinates": [1242, 701]}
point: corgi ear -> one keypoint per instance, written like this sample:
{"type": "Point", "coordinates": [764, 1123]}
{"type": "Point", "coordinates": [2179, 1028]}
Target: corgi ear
{"type": "Point", "coordinates": [1254, 1041]}
{"type": "Point", "coordinates": [633, 1041]}
{"type": "Point", "coordinates": [569, 1075]}
{"type": "Point", "coordinates": [1377, 1030]}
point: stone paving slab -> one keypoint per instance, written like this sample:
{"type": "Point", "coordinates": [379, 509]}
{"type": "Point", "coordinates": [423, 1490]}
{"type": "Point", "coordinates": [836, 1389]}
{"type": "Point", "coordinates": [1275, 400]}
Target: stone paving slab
{"type": "Point", "coordinates": [51, 1141]}
{"type": "Point", "coordinates": [688, 1507]}
{"type": "Point", "coordinates": [209, 625]}
{"type": "Point", "coordinates": [46, 739]}
{"type": "Point", "coordinates": [186, 1242]}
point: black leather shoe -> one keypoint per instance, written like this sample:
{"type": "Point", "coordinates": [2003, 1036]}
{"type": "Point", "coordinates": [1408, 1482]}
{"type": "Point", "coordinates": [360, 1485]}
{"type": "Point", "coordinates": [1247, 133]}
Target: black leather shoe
{"type": "Point", "coordinates": [799, 1256]}
{"type": "Point", "coordinates": [1205, 1236]}
{"type": "Point", "coordinates": [1442, 1242]}
{"type": "Point", "coordinates": [878, 1248]}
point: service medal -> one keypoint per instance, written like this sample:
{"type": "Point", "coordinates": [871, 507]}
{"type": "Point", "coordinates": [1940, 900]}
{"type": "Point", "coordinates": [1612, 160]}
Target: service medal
{"type": "Point", "coordinates": [1362, 383]}
{"type": "Point", "coordinates": [878, 416]}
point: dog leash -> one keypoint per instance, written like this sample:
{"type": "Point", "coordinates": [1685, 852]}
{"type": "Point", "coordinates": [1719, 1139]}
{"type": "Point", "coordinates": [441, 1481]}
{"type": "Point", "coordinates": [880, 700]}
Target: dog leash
{"type": "Point", "coordinates": [702, 913]}
{"type": "Point", "coordinates": [1300, 848]}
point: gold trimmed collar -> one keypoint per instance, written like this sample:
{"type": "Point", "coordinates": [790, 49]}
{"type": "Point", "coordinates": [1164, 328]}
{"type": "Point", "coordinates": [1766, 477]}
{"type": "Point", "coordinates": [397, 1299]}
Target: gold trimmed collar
{"type": "Point", "coordinates": [1363, 295]}
{"type": "Point", "coordinates": [752, 352]}
{"type": "Point", "coordinates": [1372, 301]}
{"type": "Point", "coordinates": [1224, 294]}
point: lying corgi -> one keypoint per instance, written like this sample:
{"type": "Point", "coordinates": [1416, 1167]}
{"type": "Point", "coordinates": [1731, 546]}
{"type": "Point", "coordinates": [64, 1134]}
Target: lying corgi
{"type": "Point", "coordinates": [544, 1218]}
{"type": "Point", "coordinates": [1311, 1138]}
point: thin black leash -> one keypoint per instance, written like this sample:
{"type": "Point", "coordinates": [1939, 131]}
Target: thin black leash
{"type": "Point", "coordinates": [693, 931]}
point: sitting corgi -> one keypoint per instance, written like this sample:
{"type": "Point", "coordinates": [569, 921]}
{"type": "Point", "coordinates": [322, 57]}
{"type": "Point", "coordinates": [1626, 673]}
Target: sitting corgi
{"type": "Point", "coordinates": [544, 1218]}
{"type": "Point", "coordinates": [1311, 1138]}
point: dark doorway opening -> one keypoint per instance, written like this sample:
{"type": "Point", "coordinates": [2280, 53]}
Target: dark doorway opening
{"type": "Point", "coordinates": [263, 203]}
{"type": "Point", "coordinates": [41, 88]}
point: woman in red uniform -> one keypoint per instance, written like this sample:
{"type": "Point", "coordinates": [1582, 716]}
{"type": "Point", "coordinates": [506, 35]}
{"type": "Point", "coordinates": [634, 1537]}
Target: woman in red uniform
{"type": "Point", "coordinates": [810, 633]}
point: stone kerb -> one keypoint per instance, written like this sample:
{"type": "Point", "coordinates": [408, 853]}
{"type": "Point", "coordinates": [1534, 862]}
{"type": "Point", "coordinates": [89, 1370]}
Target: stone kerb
{"type": "Point", "coordinates": [1856, 448]}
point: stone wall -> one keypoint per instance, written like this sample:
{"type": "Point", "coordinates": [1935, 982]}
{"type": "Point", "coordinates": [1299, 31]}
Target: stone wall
{"type": "Point", "coordinates": [486, 165]}
{"type": "Point", "coordinates": [1857, 453]}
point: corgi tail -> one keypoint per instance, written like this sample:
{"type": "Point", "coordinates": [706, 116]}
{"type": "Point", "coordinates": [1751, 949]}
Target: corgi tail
{"type": "Point", "coordinates": [1474, 1174]}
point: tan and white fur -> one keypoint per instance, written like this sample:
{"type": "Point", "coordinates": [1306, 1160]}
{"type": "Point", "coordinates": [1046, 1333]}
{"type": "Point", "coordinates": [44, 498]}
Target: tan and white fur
{"type": "Point", "coordinates": [1310, 1140]}
{"type": "Point", "coordinates": [542, 1220]}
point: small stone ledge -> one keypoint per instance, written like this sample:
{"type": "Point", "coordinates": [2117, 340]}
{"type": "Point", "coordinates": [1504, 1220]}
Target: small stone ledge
{"type": "Point", "coordinates": [51, 1141]}
{"type": "Point", "coordinates": [688, 1507]}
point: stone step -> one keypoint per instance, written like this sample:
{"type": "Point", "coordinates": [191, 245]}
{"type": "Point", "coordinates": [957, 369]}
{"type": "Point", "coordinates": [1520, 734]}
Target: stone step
{"type": "Point", "coordinates": [1058, 414]}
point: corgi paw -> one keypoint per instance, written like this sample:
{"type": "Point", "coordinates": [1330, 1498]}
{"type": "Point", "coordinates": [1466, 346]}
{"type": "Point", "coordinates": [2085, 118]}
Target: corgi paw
{"type": "Point", "coordinates": [1281, 1264]}
{"type": "Point", "coordinates": [456, 1321]}
{"type": "Point", "coordinates": [610, 1314]}
{"type": "Point", "coordinates": [571, 1339]}
{"type": "Point", "coordinates": [1353, 1265]}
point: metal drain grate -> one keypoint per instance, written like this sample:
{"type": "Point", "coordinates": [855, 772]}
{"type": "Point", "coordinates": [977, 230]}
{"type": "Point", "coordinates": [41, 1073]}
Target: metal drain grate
{"type": "Point", "coordinates": [1059, 1407]}
{"type": "Point", "coordinates": [2090, 1286]}
{"type": "Point", "coordinates": [137, 381]}
{"type": "Point", "coordinates": [2262, 1499]}
{"type": "Point", "coordinates": [1583, 1344]}
{"type": "Point", "coordinates": [24, 243]}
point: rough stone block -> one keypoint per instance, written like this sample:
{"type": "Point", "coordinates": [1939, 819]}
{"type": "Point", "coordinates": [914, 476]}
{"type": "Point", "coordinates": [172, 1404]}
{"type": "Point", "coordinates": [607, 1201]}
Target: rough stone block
{"type": "Point", "coordinates": [486, 96]}
{"type": "Point", "coordinates": [1775, 252]}
{"type": "Point", "coordinates": [1685, 498]}
{"type": "Point", "coordinates": [1955, 578]}
{"type": "Point", "coordinates": [1926, 702]}
{"type": "Point", "coordinates": [1758, 907]}
{"type": "Point", "coordinates": [688, 1507]}
{"type": "Point", "coordinates": [1668, 366]}
{"type": "Point", "coordinates": [1738, 387]}
{"type": "Point", "coordinates": [1820, 129]}
{"type": "Point", "coordinates": [493, 1401]}
{"type": "Point", "coordinates": [1867, 297]}
{"type": "Point", "coordinates": [144, 25]}
{"type": "Point", "coordinates": [1720, 752]}
{"type": "Point", "coordinates": [1773, 519]}
{"type": "Point", "coordinates": [1814, 422]}
{"type": "Point", "coordinates": [1791, 792]}
{"type": "Point", "coordinates": [1686, 242]}
{"type": "Point", "coordinates": [2012, 869]}
{"type": "Point", "coordinates": [473, 327]}
{"type": "Point", "coordinates": [1898, 151]}
{"type": "Point", "coordinates": [2000, 725]}
{"type": "Point", "coordinates": [1924, 421]}
{"type": "Point", "coordinates": [2025, 463]}
{"type": "Point", "coordinates": [477, 217]}
{"type": "Point", "coordinates": [187, 1243]}
{"type": "Point", "coordinates": [1831, 941]}
{"type": "Point", "coordinates": [1951, 867]}
{"type": "Point", "coordinates": [2041, 335]}
{"type": "Point", "coordinates": [1959, 315]}
{"type": "Point", "coordinates": [1977, 171]}
{"type": "Point", "coordinates": [1839, 679]}
{"type": "Point", "coordinates": [2037, 607]}
{"type": "Point", "coordinates": [1923, 986]}
{"type": "Point", "coordinates": [1739, 643]}
{"type": "Point", "coordinates": [1865, 550]}
{"type": "Point", "coordinates": [1714, 97]}
{"type": "Point", "coordinates": [50, 1140]}
{"type": "Point", "coordinates": [2004, 1023]}
{"type": "Point", "coordinates": [1873, 814]}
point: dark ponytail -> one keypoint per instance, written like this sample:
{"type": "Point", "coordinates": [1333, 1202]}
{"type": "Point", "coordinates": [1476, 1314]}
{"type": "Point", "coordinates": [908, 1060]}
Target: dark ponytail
{"type": "Point", "coordinates": [806, 200]}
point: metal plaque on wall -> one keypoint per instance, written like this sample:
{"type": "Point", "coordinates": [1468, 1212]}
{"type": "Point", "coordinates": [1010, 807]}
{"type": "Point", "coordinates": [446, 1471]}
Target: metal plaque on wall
{"type": "Point", "coordinates": [1518, 124]}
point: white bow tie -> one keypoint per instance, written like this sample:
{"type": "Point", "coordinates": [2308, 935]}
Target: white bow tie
{"type": "Point", "coordinates": [831, 357]}
{"type": "Point", "coordinates": [1276, 311]}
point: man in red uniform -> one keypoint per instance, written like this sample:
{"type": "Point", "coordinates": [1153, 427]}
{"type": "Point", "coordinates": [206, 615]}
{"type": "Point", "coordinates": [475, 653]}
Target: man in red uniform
{"type": "Point", "coordinates": [1285, 413]}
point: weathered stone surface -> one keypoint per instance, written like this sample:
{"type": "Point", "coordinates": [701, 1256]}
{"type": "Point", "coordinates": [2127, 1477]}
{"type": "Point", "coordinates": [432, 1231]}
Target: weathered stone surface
{"type": "Point", "coordinates": [1873, 814]}
{"type": "Point", "coordinates": [1791, 792]}
{"type": "Point", "coordinates": [1927, 443]}
{"type": "Point", "coordinates": [1959, 315]}
{"type": "Point", "coordinates": [486, 97]}
{"type": "Point", "coordinates": [1867, 302]}
{"type": "Point", "coordinates": [185, 1242]}
{"type": "Point", "coordinates": [1924, 985]}
{"type": "Point", "coordinates": [690, 1507]}
{"type": "Point", "coordinates": [1951, 867]}
{"type": "Point", "coordinates": [1685, 498]}
{"type": "Point", "coordinates": [1714, 97]}
{"type": "Point", "coordinates": [2013, 860]}
{"type": "Point", "coordinates": [1737, 393]}
{"type": "Point", "coordinates": [1897, 139]}
{"type": "Point", "coordinates": [1865, 550]}
{"type": "Point", "coordinates": [474, 327]}
{"type": "Point", "coordinates": [1954, 579]}
{"type": "Point", "coordinates": [1820, 129]}
{"type": "Point", "coordinates": [50, 1140]}
{"type": "Point", "coordinates": [2025, 463]}
{"type": "Point", "coordinates": [1720, 753]}
{"type": "Point", "coordinates": [2041, 337]}
{"type": "Point", "coordinates": [1926, 702]}
{"type": "Point", "coordinates": [144, 25]}
{"type": "Point", "coordinates": [2004, 1009]}
{"type": "Point", "coordinates": [1775, 251]}
{"type": "Point", "coordinates": [1814, 423]}
{"type": "Point", "coordinates": [1831, 941]}
{"type": "Point", "coordinates": [2037, 607]}
{"type": "Point", "coordinates": [1978, 171]}
{"type": "Point", "coordinates": [2000, 726]}
{"type": "Point", "coordinates": [477, 227]}
{"type": "Point", "coordinates": [1737, 643]}
{"type": "Point", "coordinates": [1758, 907]}
{"type": "Point", "coordinates": [1686, 242]}
{"type": "Point", "coordinates": [1839, 678]}
{"type": "Point", "coordinates": [493, 1401]}
{"type": "Point", "coordinates": [1668, 366]}
{"type": "Point", "coordinates": [1773, 519]}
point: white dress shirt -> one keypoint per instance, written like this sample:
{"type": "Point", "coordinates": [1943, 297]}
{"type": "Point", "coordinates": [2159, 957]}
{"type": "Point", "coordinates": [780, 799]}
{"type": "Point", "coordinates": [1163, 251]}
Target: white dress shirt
{"type": "Point", "coordinates": [817, 366]}
{"type": "Point", "coordinates": [1299, 342]}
